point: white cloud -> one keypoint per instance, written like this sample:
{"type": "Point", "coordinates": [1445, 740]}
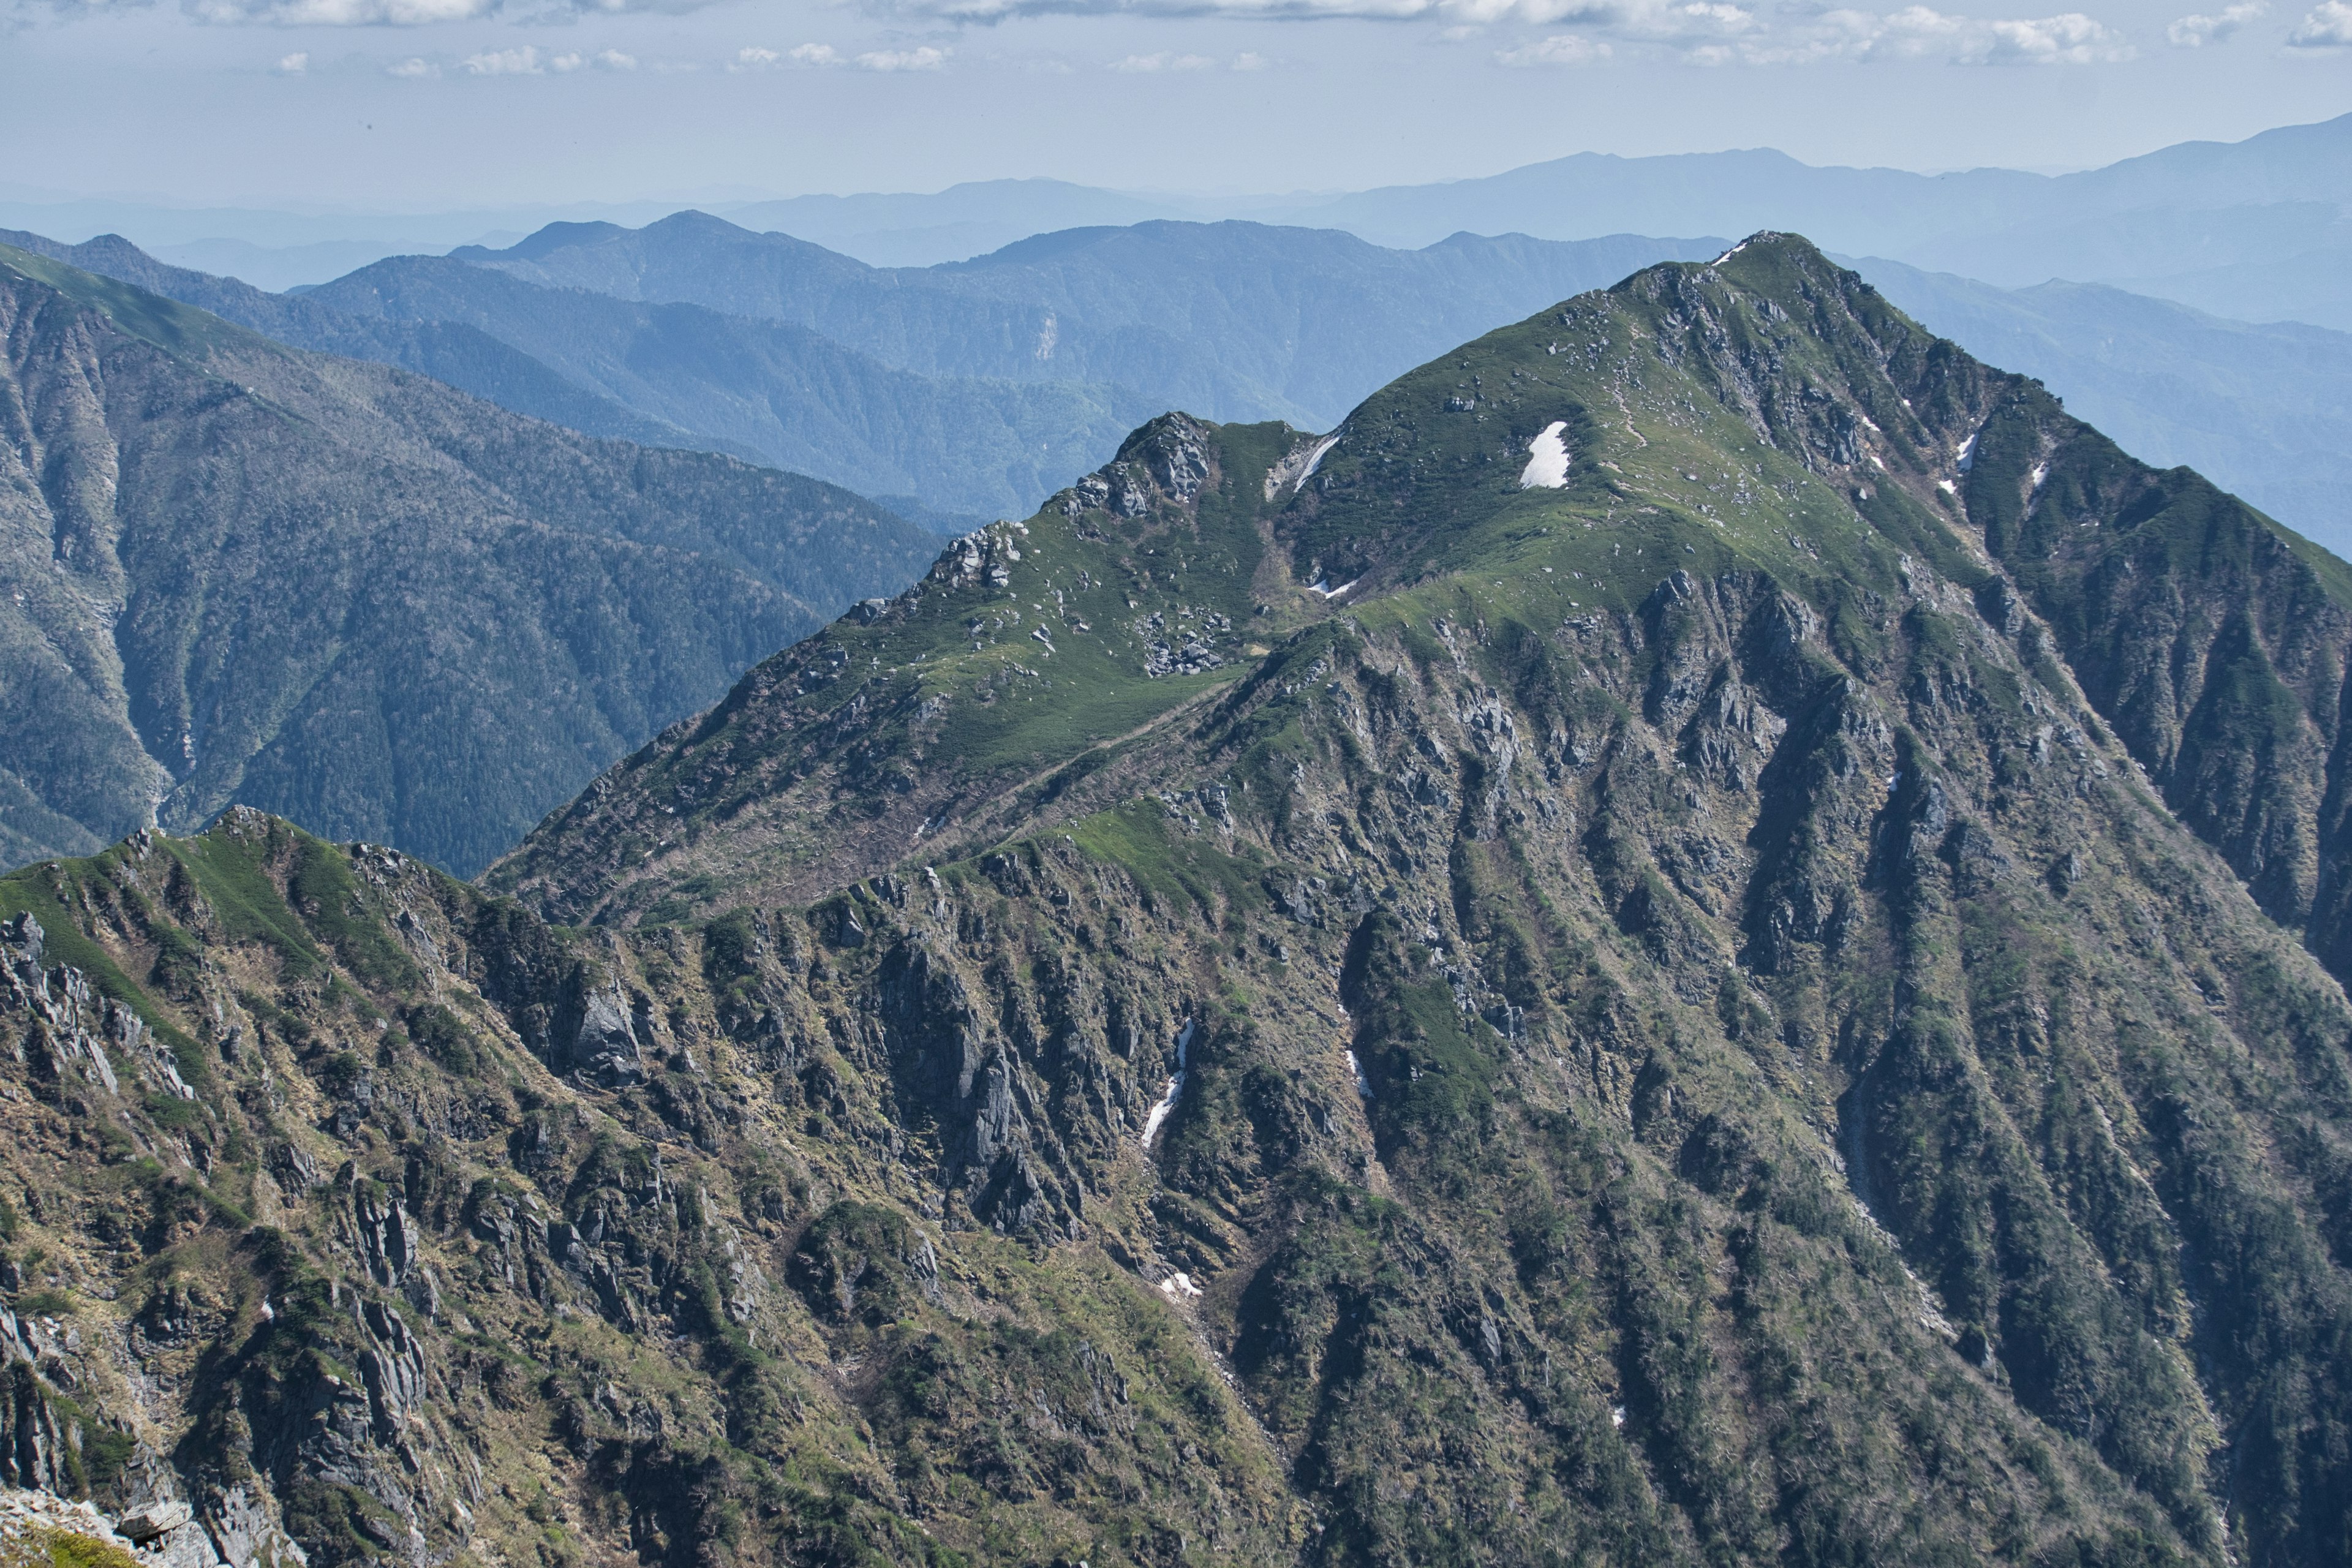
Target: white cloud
{"type": "Point", "coordinates": [1923, 33]}
{"type": "Point", "coordinates": [925, 59]}
{"type": "Point", "coordinates": [523, 61]}
{"type": "Point", "coordinates": [339, 13]}
{"type": "Point", "coordinates": [412, 69]}
{"type": "Point", "coordinates": [604, 59]}
{"type": "Point", "coordinates": [294, 64]}
{"type": "Point", "coordinates": [1146, 65]}
{"type": "Point", "coordinates": [1704, 32]}
{"type": "Point", "coordinates": [2328, 26]}
{"type": "Point", "coordinates": [806, 56]}
{"type": "Point", "coordinates": [397, 13]}
{"type": "Point", "coordinates": [1250, 60]}
{"type": "Point", "coordinates": [1559, 49]}
{"type": "Point", "coordinates": [2195, 32]}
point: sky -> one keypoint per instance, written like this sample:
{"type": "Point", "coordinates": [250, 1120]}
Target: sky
{"type": "Point", "coordinates": [431, 105]}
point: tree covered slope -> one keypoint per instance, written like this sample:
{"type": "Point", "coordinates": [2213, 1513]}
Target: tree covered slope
{"type": "Point", "coordinates": [239, 571]}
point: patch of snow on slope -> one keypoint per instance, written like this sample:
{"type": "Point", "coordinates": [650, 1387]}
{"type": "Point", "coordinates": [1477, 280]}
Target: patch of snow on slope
{"type": "Point", "coordinates": [1548, 468]}
{"type": "Point", "coordinates": [1363, 1084]}
{"type": "Point", "coordinates": [1292, 473]}
{"type": "Point", "coordinates": [1967, 453]}
{"type": "Point", "coordinates": [1316, 461]}
{"type": "Point", "coordinates": [1179, 1287]}
{"type": "Point", "coordinates": [1329, 592]}
{"type": "Point", "coordinates": [1175, 1087]}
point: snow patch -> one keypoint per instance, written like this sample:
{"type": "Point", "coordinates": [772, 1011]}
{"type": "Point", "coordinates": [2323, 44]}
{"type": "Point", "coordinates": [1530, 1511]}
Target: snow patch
{"type": "Point", "coordinates": [1324, 587]}
{"type": "Point", "coordinates": [1967, 455]}
{"type": "Point", "coordinates": [1946, 486]}
{"type": "Point", "coordinates": [1175, 1087]}
{"type": "Point", "coordinates": [1546, 469]}
{"type": "Point", "coordinates": [1291, 474]}
{"type": "Point", "coordinates": [2041, 472]}
{"type": "Point", "coordinates": [1728, 254]}
{"type": "Point", "coordinates": [1179, 1287]}
{"type": "Point", "coordinates": [1616, 1416]}
{"type": "Point", "coordinates": [1356, 1069]}
{"type": "Point", "coordinates": [1315, 461]}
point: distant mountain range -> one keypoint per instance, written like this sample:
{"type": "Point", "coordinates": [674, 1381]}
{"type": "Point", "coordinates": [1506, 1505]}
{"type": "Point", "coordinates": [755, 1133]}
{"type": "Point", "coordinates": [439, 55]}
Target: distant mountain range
{"type": "Point", "coordinates": [237, 571]}
{"type": "Point", "coordinates": [2255, 229]}
{"type": "Point", "coordinates": [957, 391]}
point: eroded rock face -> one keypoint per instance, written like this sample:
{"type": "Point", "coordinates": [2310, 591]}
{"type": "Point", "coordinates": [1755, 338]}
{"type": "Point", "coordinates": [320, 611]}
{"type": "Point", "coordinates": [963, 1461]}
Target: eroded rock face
{"type": "Point", "coordinates": [1713, 1052]}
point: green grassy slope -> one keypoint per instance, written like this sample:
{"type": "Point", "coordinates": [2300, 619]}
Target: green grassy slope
{"type": "Point", "coordinates": [1731, 1049]}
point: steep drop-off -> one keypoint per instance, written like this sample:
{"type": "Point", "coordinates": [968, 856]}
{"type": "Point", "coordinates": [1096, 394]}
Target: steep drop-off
{"type": "Point", "coordinates": [1598, 970]}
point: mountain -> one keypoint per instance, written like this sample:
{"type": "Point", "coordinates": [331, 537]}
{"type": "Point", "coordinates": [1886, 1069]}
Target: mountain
{"type": "Point", "coordinates": [2255, 229]}
{"type": "Point", "coordinates": [1705, 936]}
{"type": "Point", "coordinates": [2259, 409]}
{"type": "Point", "coordinates": [1239, 321]}
{"type": "Point", "coordinates": [238, 571]}
{"type": "Point", "coordinates": [962, 221]}
{"type": "Point", "coordinates": [675, 375]}
{"type": "Point", "coordinates": [1246, 322]}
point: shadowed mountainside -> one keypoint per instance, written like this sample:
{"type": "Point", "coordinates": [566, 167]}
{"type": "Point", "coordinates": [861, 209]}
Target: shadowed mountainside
{"type": "Point", "coordinates": [1635, 958]}
{"type": "Point", "coordinates": [240, 573]}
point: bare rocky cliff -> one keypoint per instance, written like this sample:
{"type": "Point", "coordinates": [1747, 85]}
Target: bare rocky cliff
{"type": "Point", "coordinates": [1652, 1007]}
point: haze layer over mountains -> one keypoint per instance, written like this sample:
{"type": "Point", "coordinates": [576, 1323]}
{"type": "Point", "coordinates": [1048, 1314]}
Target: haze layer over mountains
{"type": "Point", "coordinates": [962, 389]}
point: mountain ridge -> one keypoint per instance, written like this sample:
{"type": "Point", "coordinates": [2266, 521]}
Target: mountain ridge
{"type": "Point", "coordinates": [223, 545]}
{"type": "Point", "coordinates": [1640, 959]}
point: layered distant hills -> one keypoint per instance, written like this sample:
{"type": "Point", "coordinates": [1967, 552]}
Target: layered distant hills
{"type": "Point", "coordinates": [236, 571]}
{"type": "Point", "coordinates": [958, 392]}
{"type": "Point", "coordinates": [1708, 935]}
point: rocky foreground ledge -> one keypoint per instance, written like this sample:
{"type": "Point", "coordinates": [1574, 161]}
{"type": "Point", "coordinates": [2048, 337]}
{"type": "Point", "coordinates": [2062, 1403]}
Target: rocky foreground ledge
{"type": "Point", "coordinates": [146, 1536]}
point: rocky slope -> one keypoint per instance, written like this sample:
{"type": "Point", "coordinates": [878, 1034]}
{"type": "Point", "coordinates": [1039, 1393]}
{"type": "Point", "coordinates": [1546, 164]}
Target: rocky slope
{"type": "Point", "coordinates": [1628, 962]}
{"type": "Point", "coordinates": [231, 570]}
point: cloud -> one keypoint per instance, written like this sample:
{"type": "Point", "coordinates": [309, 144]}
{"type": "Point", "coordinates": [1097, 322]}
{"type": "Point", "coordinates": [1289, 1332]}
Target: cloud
{"type": "Point", "coordinates": [604, 59]}
{"type": "Point", "coordinates": [1923, 33]}
{"type": "Point", "coordinates": [804, 56]}
{"type": "Point", "coordinates": [294, 64]}
{"type": "Point", "coordinates": [2328, 26]}
{"type": "Point", "coordinates": [925, 59]}
{"type": "Point", "coordinates": [2196, 32]}
{"type": "Point", "coordinates": [412, 69]}
{"type": "Point", "coordinates": [1706, 32]}
{"type": "Point", "coordinates": [1250, 60]}
{"type": "Point", "coordinates": [1559, 49]}
{"type": "Point", "coordinates": [382, 13]}
{"type": "Point", "coordinates": [338, 13]}
{"type": "Point", "coordinates": [523, 61]}
{"type": "Point", "coordinates": [1146, 65]}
